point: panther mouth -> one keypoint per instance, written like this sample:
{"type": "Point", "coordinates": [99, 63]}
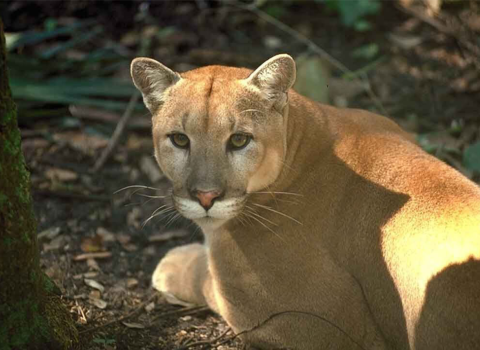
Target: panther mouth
{"type": "Point", "coordinates": [222, 210]}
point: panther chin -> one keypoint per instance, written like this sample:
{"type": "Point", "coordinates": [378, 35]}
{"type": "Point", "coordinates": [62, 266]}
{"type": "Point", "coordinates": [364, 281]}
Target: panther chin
{"type": "Point", "coordinates": [221, 212]}
{"type": "Point", "coordinates": [209, 223]}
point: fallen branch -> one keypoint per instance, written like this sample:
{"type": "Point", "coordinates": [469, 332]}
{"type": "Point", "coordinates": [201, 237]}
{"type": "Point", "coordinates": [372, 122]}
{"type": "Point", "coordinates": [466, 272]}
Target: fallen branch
{"type": "Point", "coordinates": [123, 318]}
{"type": "Point", "coordinates": [95, 255]}
{"type": "Point", "coordinates": [209, 342]}
{"type": "Point", "coordinates": [444, 29]}
{"type": "Point", "coordinates": [71, 195]}
{"type": "Point", "coordinates": [184, 311]}
{"type": "Point", "coordinates": [100, 115]}
{"type": "Point", "coordinates": [361, 77]}
{"type": "Point", "coordinates": [117, 133]}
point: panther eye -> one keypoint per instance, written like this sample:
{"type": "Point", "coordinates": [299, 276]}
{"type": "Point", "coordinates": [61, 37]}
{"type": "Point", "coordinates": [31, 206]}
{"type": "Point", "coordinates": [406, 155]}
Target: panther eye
{"type": "Point", "coordinates": [239, 141]}
{"type": "Point", "coordinates": [180, 140]}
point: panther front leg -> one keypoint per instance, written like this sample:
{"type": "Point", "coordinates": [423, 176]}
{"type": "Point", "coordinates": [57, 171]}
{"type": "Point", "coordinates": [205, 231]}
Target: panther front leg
{"type": "Point", "coordinates": [184, 278]}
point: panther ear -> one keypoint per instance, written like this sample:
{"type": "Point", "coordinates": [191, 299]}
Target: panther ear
{"type": "Point", "coordinates": [152, 79]}
{"type": "Point", "coordinates": [274, 77]}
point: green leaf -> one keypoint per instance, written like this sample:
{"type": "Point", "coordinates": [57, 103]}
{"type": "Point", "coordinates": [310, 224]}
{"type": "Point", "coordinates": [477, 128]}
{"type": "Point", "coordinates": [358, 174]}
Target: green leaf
{"type": "Point", "coordinates": [76, 87]}
{"type": "Point", "coordinates": [367, 52]}
{"type": "Point", "coordinates": [352, 11]}
{"type": "Point", "coordinates": [275, 11]}
{"type": "Point", "coordinates": [34, 37]}
{"type": "Point", "coordinates": [79, 39]}
{"type": "Point", "coordinates": [362, 26]}
{"type": "Point", "coordinates": [50, 24]}
{"type": "Point", "coordinates": [74, 91]}
{"type": "Point", "coordinates": [471, 157]}
{"type": "Point", "coordinates": [312, 78]}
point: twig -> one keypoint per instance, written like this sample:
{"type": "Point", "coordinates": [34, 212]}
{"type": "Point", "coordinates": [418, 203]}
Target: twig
{"type": "Point", "coordinates": [184, 311]}
{"type": "Point", "coordinates": [118, 132]}
{"type": "Point", "coordinates": [362, 78]}
{"type": "Point", "coordinates": [96, 114]}
{"type": "Point", "coordinates": [272, 317]}
{"type": "Point", "coordinates": [95, 255]}
{"type": "Point", "coordinates": [123, 318]}
{"type": "Point", "coordinates": [472, 48]}
{"type": "Point", "coordinates": [209, 342]}
{"type": "Point", "coordinates": [71, 195]}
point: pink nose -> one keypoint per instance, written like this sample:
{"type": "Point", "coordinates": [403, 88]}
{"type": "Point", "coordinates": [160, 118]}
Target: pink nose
{"type": "Point", "coordinates": [206, 198]}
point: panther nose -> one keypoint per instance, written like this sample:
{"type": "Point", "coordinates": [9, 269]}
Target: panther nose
{"type": "Point", "coordinates": [207, 198]}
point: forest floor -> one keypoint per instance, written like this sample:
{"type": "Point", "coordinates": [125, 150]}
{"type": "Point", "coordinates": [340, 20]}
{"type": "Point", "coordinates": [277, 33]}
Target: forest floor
{"type": "Point", "coordinates": [94, 243]}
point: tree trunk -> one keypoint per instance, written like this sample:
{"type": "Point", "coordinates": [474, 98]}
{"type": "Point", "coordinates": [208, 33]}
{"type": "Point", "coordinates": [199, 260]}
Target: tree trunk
{"type": "Point", "coordinates": [31, 315]}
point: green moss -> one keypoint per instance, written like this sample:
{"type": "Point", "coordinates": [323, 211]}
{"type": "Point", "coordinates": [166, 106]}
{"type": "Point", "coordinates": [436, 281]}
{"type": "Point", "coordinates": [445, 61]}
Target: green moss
{"type": "Point", "coordinates": [8, 117]}
{"type": "Point", "coordinates": [7, 241]}
{"type": "Point", "coordinates": [8, 146]}
{"type": "Point", "coordinates": [48, 285]}
{"type": "Point", "coordinates": [4, 339]}
{"type": "Point", "coordinates": [23, 194]}
{"type": "Point", "coordinates": [3, 199]}
{"type": "Point", "coordinates": [33, 276]}
{"type": "Point", "coordinates": [18, 317]}
{"type": "Point", "coordinates": [26, 238]}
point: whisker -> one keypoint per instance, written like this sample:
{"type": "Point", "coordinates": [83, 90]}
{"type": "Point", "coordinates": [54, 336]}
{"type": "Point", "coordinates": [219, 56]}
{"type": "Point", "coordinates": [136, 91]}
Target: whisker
{"type": "Point", "coordinates": [272, 193]}
{"type": "Point", "coordinates": [277, 212]}
{"type": "Point", "coordinates": [137, 186]}
{"type": "Point", "coordinates": [241, 219]}
{"type": "Point", "coordinates": [138, 203]}
{"type": "Point", "coordinates": [276, 192]}
{"type": "Point", "coordinates": [246, 218]}
{"type": "Point", "coordinates": [174, 216]}
{"type": "Point", "coordinates": [160, 208]}
{"type": "Point", "coordinates": [148, 196]}
{"type": "Point", "coordinates": [252, 110]}
{"type": "Point", "coordinates": [264, 225]}
{"type": "Point", "coordinates": [251, 211]}
{"type": "Point", "coordinates": [287, 166]}
{"type": "Point", "coordinates": [197, 229]}
{"type": "Point", "coordinates": [155, 214]}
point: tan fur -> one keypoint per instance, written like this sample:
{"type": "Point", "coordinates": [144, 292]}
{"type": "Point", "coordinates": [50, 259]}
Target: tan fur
{"type": "Point", "coordinates": [335, 231]}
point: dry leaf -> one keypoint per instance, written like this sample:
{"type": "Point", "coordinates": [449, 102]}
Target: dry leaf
{"type": "Point", "coordinates": [272, 42]}
{"type": "Point", "coordinates": [90, 274]}
{"type": "Point", "coordinates": [150, 168]}
{"type": "Point", "coordinates": [123, 239]}
{"type": "Point", "coordinates": [134, 217]}
{"type": "Point", "coordinates": [55, 244]}
{"type": "Point", "coordinates": [150, 250]}
{"type": "Point", "coordinates": [95, 294]}
{"type": "Point", "coordinates": [130, 247]}
{"type": "Point", "coordinates": [101, 304]}
{"type": "Point", "coordinates": [86, 256]}
{"type": "Point", "coordinates": [132, 282]}
{"type": "Point", "coordinates": [94, 284]}
{"type": "Point", "coordinates": [92, 263]}
{"type": "Point", "coordinates": [84, 143]}
{"type": "Point", "coordinates": [92, 244]}
{"type": "Point", "coordinates": [405, 42]}
{"type": "Point", "coordinates": [135, 142]}
{"type": "Point", "coordinates": [313, 75]}
{"type": "Point", "coordinates": [165, 236]}
{"type": "Point", "coordinates": [106, 235]}
{"type": "Point", "coordinates": [49, 234]}
{"type": "Point", "coordinates": [150, 307]}
{"type": "Point", "coordinates": [345, 88]}
{"type": "Point", "coordinates": [63, 175]}
{"type": "Point", "coordinates": [133, 325]}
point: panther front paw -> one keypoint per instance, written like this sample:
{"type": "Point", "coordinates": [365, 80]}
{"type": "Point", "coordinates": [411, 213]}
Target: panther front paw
{"type": "Point", "coordinates": [172, 276]}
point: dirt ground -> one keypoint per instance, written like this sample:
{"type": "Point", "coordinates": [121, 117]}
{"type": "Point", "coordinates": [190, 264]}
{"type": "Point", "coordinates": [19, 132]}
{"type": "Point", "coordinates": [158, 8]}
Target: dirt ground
{"type": "Point", "coordinates": [94, 243]}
